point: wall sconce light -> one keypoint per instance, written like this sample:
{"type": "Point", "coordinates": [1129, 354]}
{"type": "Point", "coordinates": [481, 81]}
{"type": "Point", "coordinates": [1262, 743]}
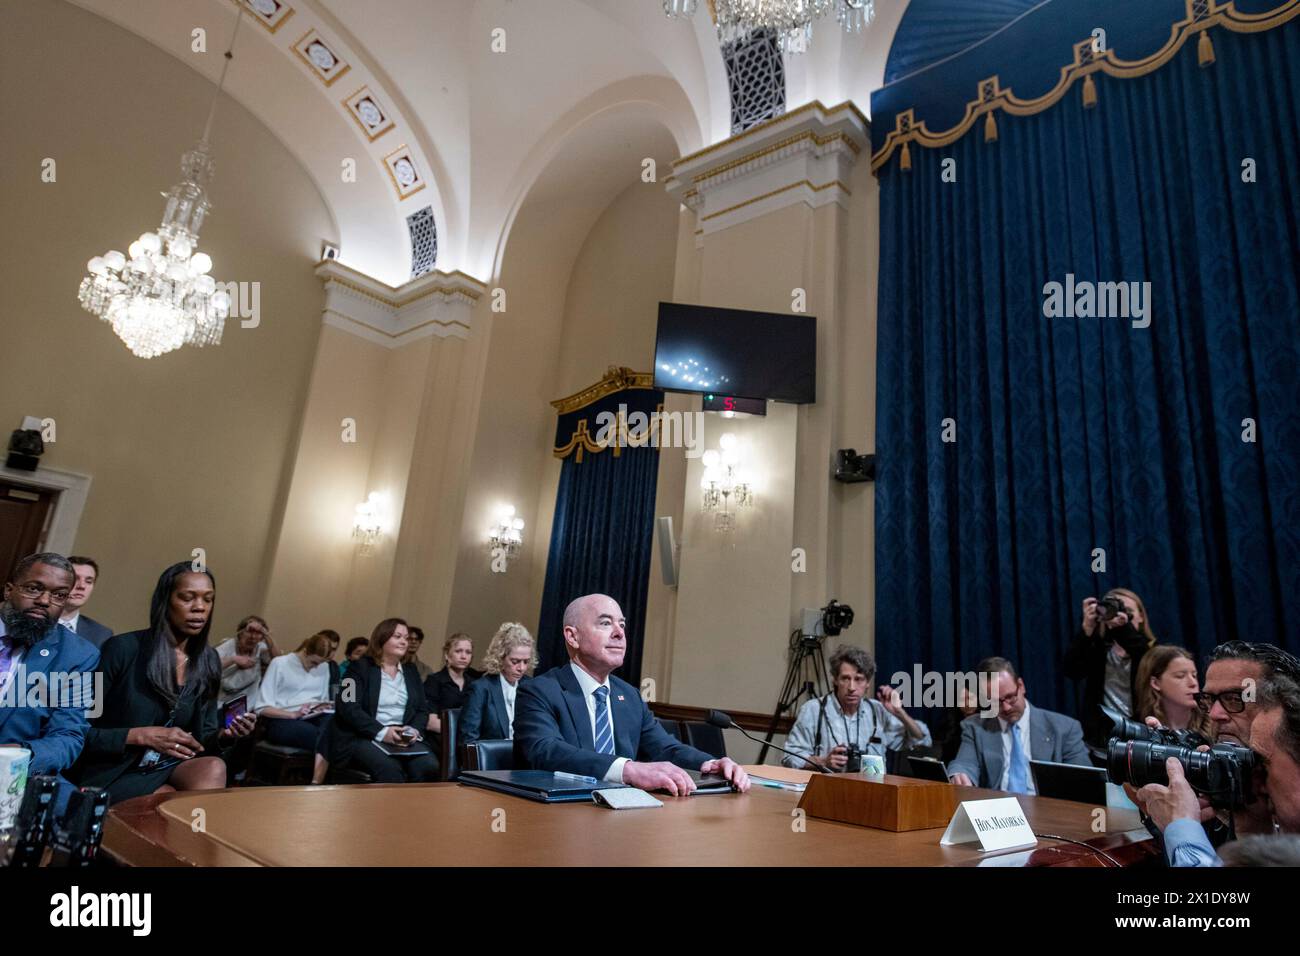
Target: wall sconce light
{"type": "Point", "coordinates": [726, 483]}
{"type": "Point", "coordinates": [367, 526]}
{"type": "Point", "coordinates": [506, 536]}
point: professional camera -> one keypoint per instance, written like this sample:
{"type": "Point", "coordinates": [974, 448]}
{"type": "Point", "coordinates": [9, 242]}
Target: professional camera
{"type": "Point", "coordinates": [836, 617]}
{"type": "Point", "coordinates": [1108, 608]}
{"type": "Point", "coordinates": [1137, 753]}
{"type": "Point", "coordinates": [855, 760]}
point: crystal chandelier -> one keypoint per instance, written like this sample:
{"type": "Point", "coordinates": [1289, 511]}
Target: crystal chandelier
{"type": "Point", "coordinates": [159, 296]}
{"type": "Point", "coordinates": [791, 20]}
{"type": "Point", "coordinates": [725, 483]}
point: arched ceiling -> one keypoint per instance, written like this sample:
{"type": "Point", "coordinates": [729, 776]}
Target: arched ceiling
{"type": "Point", "coordinates": [478, 97]}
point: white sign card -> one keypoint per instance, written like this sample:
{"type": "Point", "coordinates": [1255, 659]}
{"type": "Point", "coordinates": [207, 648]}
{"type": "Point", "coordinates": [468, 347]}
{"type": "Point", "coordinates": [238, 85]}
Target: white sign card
{"type": "Point", "coordinates": [998, 824]}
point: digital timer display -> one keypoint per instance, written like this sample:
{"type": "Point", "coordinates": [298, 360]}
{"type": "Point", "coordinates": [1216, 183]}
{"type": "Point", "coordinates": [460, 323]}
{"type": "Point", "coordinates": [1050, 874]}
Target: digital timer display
{"type": "Point", "coordinates": [732, 403]}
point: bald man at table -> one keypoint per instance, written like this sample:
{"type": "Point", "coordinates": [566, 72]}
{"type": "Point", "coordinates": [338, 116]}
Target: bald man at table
{"type": "Point", "coordinates": [578, 718]}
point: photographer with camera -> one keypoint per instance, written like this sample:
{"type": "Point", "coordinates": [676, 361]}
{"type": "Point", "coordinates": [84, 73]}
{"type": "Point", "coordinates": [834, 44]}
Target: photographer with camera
{"type": "Point", "coordinates": [1105, 654]}
{"type": "Point", "coordinates": [834, 731]}
{"type": "Point", "coordinates": [1179, 810]}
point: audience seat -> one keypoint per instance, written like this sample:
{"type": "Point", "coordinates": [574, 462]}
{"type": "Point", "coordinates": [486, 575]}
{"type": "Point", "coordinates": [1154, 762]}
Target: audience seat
{"type": "Point", "coordinates": [490, 755]}
{"type": "Point", "coordinates": [706, 737]}
{"type": "Point", "coordinates": [280, 766]}
{"type": "Point", "coordinates": [673, 727]}
{"type": "Point", "coordinates": [448, 764]}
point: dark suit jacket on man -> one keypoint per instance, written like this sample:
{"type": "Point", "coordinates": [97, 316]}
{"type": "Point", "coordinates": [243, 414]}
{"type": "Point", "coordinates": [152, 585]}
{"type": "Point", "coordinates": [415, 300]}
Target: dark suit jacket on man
{"type": "Point", "coordinates": [553, 728]}
{"type": "Point", "coordinates": [91, 630]}
{"type": "Point", "coordinates": [354, 723]}
{"type": "Point", "coordinates": [54, 730]}
{"type": "Point", "coordinates": [483, 715]}
{"type": "Point", "coordinates": [1053, 737]}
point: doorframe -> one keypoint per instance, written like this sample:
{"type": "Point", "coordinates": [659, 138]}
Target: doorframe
{"type": "Point", "coordinates": [73, 488]}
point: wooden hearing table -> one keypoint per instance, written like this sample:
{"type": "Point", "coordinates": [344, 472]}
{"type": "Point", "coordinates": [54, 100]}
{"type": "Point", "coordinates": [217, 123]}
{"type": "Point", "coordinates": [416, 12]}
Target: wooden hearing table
{"type": "Point", "coordinates": [446, 824]}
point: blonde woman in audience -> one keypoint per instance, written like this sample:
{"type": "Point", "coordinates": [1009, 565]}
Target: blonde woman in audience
{"type": "Point", "coordinates": [1167, 686]}
{"type": "Point", "coordinates": [489, 711]}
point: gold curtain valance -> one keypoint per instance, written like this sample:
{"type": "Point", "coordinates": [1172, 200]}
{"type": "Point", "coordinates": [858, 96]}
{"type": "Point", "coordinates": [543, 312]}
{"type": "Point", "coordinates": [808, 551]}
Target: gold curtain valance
{"type": "Point", "coordinates": [1202, 16]}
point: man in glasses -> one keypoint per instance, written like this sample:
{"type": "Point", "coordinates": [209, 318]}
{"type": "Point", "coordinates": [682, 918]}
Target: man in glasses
{"type": "Point", "coordinates": [1250, 695]}
{"type": "Point", "coordinates": [46, 671]}
{"type": "Point", "coordinates": [995, 751]}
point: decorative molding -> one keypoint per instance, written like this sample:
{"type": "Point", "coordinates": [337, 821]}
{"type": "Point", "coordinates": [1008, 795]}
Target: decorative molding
{"type": "Point", "coordinates": [328, 66]}
{"type": "Point", "coordinates": [363, 106]}
{"type": "Point", "coordinates": [805, 156]}
{"type": "Point", "coordinates": [73, 489]}
{"type": "Point", "coordinates": [990, 97]}
{"type": "Point", "coordinates": [617, 378]}
{"type": "Point", "coordinates": [437, 303]}
{"type": "Point", "coordinates": [404, 172]}
{"type": "Point", "coordinates": [271, 14]}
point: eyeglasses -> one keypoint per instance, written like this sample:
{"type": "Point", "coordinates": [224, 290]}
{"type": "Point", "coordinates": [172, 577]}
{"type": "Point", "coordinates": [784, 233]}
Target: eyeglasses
{"type": "Point", "coordinates": [1231, 700]}
{"type": "Point", "coordinates": [33, 590]}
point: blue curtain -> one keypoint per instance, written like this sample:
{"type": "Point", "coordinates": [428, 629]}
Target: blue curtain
{"type": "Point", "coordinates": [1075, 434]}
{"type": "Point", "coordinates": [602, 534]}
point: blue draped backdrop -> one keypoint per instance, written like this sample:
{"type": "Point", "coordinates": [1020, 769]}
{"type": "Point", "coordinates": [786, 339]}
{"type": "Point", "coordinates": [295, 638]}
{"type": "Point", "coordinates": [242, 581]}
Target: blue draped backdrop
{"type": "Point", "coordinates": [1075, 434]}
{"type": "Point", "coordinates": [603, 529]}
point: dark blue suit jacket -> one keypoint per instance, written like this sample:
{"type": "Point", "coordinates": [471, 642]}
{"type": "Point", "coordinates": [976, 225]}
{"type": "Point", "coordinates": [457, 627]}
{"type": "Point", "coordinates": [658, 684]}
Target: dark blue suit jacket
{"type": "Point", "coordinates": [89, 629]}
{"type": "Point", "coordinates": [553, 728]}
{"type": "Point", "coordinates": [483, 715]}
{"type": "Point", "coordinates": [33, 718]}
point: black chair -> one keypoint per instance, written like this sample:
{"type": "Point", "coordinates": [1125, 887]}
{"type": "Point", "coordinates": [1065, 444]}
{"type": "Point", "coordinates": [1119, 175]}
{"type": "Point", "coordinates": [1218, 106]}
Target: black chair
{"type": "Point", "coordinates": [280, 766]}
{"type": "Point", "coordinates": [490, 755]}
{"type": "Point", "coordinates": [673, 727]}
{"type": "Point", "coordinates": [705, 737]}
{"type": "Point", "coordinates": [449, 764]}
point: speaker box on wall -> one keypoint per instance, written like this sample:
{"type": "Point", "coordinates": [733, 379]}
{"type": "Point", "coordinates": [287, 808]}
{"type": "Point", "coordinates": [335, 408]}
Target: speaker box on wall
{"type": "Point", "coordinates": [667, 551]}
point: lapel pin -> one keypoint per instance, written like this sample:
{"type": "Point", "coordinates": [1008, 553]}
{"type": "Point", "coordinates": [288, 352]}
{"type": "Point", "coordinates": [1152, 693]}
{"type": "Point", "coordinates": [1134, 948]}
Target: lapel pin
{"type": "Point", "coordinates": [620, 696]}
{"type": "Point", "coordinates": [45, 652]}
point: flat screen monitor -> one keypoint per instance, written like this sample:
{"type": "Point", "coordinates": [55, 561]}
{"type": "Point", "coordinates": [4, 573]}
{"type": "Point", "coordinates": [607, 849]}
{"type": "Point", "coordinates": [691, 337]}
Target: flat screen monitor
{"type": "Point", "coordinates": [764, 355]}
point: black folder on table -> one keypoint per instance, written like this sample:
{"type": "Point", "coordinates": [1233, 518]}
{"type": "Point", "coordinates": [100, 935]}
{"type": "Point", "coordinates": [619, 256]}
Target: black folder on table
{"type": "Point", "coordinates": [540, 785]}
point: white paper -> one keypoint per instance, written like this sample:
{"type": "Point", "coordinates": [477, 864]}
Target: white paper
{"type": "Point", "coordinates": [997, 824]}
{"type": "Point", "coordinates": [625, 798]}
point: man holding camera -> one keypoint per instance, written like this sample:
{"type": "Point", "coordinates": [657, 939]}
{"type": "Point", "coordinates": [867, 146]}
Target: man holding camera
{"type": "Point", "coordinates": [833, 732]}
{"type": "Point", "coordinates": [1179, 811]}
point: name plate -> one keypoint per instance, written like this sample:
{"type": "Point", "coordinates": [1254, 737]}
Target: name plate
{"type": "Point", "coordinates": [998, 824]}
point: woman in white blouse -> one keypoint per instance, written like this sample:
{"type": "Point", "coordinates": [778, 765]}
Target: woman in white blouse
{"type": "Point", "coordinates": [294, 699]}
{"type": "Point", "coordinates": [380, 706]}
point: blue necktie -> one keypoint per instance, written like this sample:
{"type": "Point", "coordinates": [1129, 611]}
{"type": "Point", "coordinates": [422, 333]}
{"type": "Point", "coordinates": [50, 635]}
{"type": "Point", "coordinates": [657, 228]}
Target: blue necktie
{"type": "Point", "coordinates": [604, 732]}
{"type": "Point", "coordinates": [1016, 781]}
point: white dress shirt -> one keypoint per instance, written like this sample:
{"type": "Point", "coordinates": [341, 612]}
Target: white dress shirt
{"type": "Point", "coordinates": [392, 700]}
{"type": "Point", "coordinates": [288, 685]}
{"type": "Point", "coordinates": [589, 684]}
{"type": "Point", "coordinates": [1024, 745]}
{"type": "Point", "coordinates": [71, 622]}
{"type": "Point", "coordinates": [508, 691]}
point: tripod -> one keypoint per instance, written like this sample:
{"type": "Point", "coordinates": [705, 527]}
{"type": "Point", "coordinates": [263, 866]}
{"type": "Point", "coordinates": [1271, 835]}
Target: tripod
{"type": "Point", "coordinates": [805, 655]}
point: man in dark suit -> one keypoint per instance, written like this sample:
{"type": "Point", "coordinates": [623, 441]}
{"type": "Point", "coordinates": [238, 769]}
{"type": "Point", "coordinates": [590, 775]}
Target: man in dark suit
{"type": "Point", "coordinates": [84, 626]}
{"type": "Point", "coordinates": [995, 751]}
{"type": "Point", "coordinates": [46, 671]}
{"type": "Point", "coordinates": [577, 718]}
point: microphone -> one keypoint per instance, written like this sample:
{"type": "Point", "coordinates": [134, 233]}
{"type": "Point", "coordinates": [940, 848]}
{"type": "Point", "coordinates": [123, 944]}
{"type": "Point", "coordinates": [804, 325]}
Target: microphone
{"type": "Point", "coordinates": [723, 721]}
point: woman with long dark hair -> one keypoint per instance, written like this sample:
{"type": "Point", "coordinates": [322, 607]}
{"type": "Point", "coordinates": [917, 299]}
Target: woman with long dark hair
{"type": "Point", "coordinates": [1105, 656]}
{"type": "Point", "coordinates": [158, 728]}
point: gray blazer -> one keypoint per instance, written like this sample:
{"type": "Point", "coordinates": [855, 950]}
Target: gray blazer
{"type": "Point", "coordinates": [91, 630]}
{"type": "Point", "coordinates": [1053, 737]}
